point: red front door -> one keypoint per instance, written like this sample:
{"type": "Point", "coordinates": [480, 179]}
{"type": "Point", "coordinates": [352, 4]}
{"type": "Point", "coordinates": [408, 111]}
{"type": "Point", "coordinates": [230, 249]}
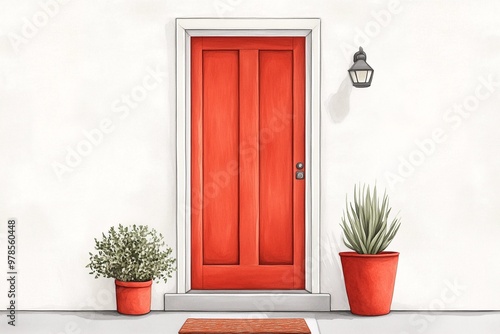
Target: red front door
{"type": "Point", "coordinates": [247, 135]}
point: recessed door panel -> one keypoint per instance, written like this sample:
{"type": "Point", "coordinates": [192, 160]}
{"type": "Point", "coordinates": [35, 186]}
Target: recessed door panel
{"type": "Point", "coordinates": [276, 164]}
{"type": "Point", "coordinates": [220, 151]}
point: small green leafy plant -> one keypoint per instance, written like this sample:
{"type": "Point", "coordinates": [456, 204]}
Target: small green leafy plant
{"type": "Point", "coordinates": [132, 254]}
{"type": "Point", "coordinates": [365, 229]}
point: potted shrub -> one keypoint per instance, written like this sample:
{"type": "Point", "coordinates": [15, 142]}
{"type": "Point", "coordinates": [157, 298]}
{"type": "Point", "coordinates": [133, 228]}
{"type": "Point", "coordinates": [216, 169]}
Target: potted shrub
{"type": "Point", "coordinates": [134, 256]}
{"type": "Point", "coordinates": [369, 271]}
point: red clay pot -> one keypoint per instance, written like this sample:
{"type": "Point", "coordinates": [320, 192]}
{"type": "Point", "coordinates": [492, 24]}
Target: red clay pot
{"type": "Point", "coordinates": [133, 298]}
{"type": "Point", "coordinates": [369, 281]}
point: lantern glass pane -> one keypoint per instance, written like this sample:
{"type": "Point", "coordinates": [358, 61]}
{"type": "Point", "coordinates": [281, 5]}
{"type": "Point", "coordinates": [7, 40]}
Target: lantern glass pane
{"type": "Point", "coordinates": [369, 76]}
{"type": "Point", "coordinates": [362, 76]}
{"type": "Point", "coordinates": [353, 76]}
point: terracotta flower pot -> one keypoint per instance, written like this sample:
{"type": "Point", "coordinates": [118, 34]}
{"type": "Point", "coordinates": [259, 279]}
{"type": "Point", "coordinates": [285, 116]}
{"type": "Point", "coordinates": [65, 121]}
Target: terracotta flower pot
{"type": "Point", "coordinates": [133, 298]}
{"type": "Point", "coordinates": [369, 281]}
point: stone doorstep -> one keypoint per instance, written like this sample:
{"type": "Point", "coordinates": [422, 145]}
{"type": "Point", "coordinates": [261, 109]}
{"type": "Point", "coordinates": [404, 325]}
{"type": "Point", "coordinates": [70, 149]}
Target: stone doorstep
{"type": "Point", "coordinates": [248, 302]}
{"type": "Point", "coordinates": [249, 326]}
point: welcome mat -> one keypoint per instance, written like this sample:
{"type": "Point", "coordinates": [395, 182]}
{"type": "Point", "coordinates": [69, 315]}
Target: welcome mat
{"type": "Point", "coordinates": [247, 326]}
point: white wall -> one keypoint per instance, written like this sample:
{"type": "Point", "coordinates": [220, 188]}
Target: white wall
{"type": "Point", "coordinates": [69, 74]}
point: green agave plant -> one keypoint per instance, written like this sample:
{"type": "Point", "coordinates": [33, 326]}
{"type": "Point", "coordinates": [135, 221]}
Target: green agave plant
{"type": "Point", "coordinates": [132, 254]}
{"type": "Point", "coordinates": [365, 229]}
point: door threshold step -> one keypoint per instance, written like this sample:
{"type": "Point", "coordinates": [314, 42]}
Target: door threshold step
{"type": "Point", "coordinates": [248, 302]}
{"type": "Point", "coordinates": [248, 291]}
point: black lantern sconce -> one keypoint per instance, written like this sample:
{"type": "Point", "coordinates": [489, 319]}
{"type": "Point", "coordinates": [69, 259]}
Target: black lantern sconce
{"type": "Point", "coordinates": [360, 72]}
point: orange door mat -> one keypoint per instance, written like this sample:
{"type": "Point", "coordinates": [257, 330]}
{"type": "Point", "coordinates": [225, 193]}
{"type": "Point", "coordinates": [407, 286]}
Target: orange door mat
{"type": "Point", "coordinates": [247, 326]}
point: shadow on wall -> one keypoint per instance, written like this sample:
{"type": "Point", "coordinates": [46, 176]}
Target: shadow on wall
{"type": "Point", "coordinates": [337, 104]}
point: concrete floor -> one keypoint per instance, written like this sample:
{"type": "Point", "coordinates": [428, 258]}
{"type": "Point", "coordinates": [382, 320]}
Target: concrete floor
{"type": "Point", "coordinates": [69, 322]}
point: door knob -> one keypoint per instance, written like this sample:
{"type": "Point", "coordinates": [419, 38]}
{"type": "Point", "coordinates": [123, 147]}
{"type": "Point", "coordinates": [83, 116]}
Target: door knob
{"type": "Point", "coordinates": [299, 165]}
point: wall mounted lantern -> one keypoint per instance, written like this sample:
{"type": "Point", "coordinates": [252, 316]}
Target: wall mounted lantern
{"type": "Point", "coordinates": [361, 73]}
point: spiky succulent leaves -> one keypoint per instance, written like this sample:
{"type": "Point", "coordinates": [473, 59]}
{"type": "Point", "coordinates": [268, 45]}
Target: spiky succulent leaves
{"type": "Point", "coordinates": [364, 222]}
{"type": "Point", "coordinates": [132, 254]}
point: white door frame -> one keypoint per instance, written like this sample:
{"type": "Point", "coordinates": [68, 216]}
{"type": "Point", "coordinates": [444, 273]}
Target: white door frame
{"type": "Point", "coordinates": [309, 28]}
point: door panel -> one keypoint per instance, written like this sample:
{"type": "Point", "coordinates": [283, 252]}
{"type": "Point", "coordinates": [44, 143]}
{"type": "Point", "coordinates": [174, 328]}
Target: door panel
{"type": "Point", "coordinates": [276, 164]}
{"type": "Point", "coordinates": [247, 208]}
{"type": "Point", "coordinates": [220, 149]}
